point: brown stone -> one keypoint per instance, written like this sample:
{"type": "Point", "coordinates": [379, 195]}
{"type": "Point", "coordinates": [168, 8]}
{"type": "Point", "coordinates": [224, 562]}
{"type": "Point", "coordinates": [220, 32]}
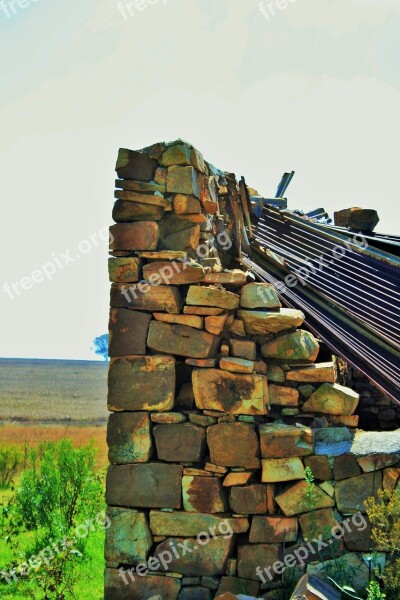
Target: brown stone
{"type": "Point", "coordinates": [235, 278]}
{"type": "Point", "coordinates": [202, 420]}
{"type": "Point", "coordinates": [132, 164]}
{"type": "Point", "coordinates": [140, 186]}
{"type": "Point", "coordinates": [234, 445]}
{"type": "Point", "coordinates": [149, 485]}
{"type": "Point", "coordinates": [135, 197]}
{"type": "Point", "coordinates": [146, 297]}
{"type": "Point", "coordinates": [176, 154]}
{"type": "Point", "coordinates": [318, 524]}
{"type": "Point", "coordinates": [187, 524]}
{"type": "Point", "coordinates": [189, 320]}
{"type": "Point", "coordinates": [300, 345]}
{"type": "Point", "coordinates": [259, 295]}
{"type": "Point", "coordinates": [357, 535]}
{"type": "Point", "coordinates": [321, 372]}
{"type": "Point", "coordinates": [346, 420]}
{"type": "Point", "coordinates": [231, 393]}
{"type": "Point", "coordinates": [170, 417]}
{"type": "Point", "coordinates": [351, 493]}
{"type": "Point", "coordinates": [142, 235]}
{"type": "Point", "coordinates": [237, 479]}
{"type": "Point", "coordinates": [179, 443]}
{"type": "Point", "coordinates": [243, 349]}
{"type": "Point", "coordinates": [196, 472]}
{"type": "Point", "coordinates": [236, 585]}
{"type": "Point", "coordinates": [128, 538]}
{"type": "Point", "coordinates": [390, 478]}
{"type": "Point", "coordinates": [215, 325]}
{"type": "Point", "coordinates": [275, 470]}
{"type": "Point", "coordinates": [128, 212]}
{"type": "Point", "coordinates": [173, 273]}
{"type": "Point", "coordinates": [271, 504]}
{"type": "Point", "coordinates": [272, 530]}
{"type": "Point", "coordinates": [278, 440]}
{"type": "Point", "coordinates": [263, 322]}
{"type": "Point", "coordinates": [275, 373]}
{"type": "Point", "coordinates": [151, 586]}
{"type": "Point", "coordinates": [204, 363]}
{"type": "Point", "coordinates": [248, 500]}
{"type": "Point", "coordinates": [345, 466]}
{"type": "Point", "coordinates": [294, 500]}
{"type": "Point", "coordinates": [202, 310]}
{"type": "Point", "coordinates": [237, 328]}
{"type": "Point", "coordinates": [333, 399]}
{"type": "Point", "coordinates": [212, 296]}
{"type": "Point", "coordinates": [236, 365]}
{"type": "Point", "coordinates": [164, 255]}
{"type": "Point", "coordinates": [182, 180]}
{"type": "Point", "coordinates": [203, 494]}
{"type": "Point", "coordinates": [216, 469]}
{"type": "Point", "coordinates": [128, 332]}
{"type": "Point", "coordinates": [129, 438]}
{"type": "Point", "coordinates": [319, 466]}
{"type": "Point", "coordinates": [124, 270]}
{"type": "Point", "coordinates": [251, 556]}
{"type": "Point", "coordinates": [185, 399]}
{"type": "Point", "coordinates": [186, 204]}
{"type": "Point", "coordinates": [283, 396]}
{"type": "Point", "coordinates": [208, 560]}
{"type": "Point", "coordinates": [141, 383]}
{"type": "Point", "coordinates": [181, 340]}
{"type": "Point", "coordinates": [374, 462]}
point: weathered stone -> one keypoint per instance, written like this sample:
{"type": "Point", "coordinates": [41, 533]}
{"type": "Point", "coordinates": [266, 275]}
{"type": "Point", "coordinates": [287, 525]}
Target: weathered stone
{"type": "Point", "coordinates": [203, 494]}
{"type": "Point", "coordinates": [236, 365]}
{"type": "Point", "coordinates": [251, 556]}
{"type": "Point", "coordinates": [204, 363]}
{"type": "Point", "coordinates": [275, 373]}
{"type": "Point", "coordinates": [345, 466]}
{"type": "Point", "coordinates": [142, 235]}
{"type": "Point", "coordinates": [124, 270]}
{"type": "Point", "coordinates": [202, 310]}
{"type": "Point", "coordinates": [351, 493]}
{"type": "Point", "coordinates": [185, 399]}
{"type": "Point", "coordinates": [319, 466]}
{"type": "Point", "coordinates": [152, 485]}
{"type": "Point", "coordinates": [132, 587]}
{"type": "Point", "coordinates": [271, 504]}
{"type": "Point", "coordinates": [318, 524]}
{"type": "Point", "coordinates": [215, 325]}
{"type": "Point", "coordinates": [312, 588]}
{"type": "Point", "coordinates": [141, 383]}
{"type": "Point", "coordinates": [216, 469]}
{"type": "Point", "coordinates": [234, 445]}
{"type": "Point", "coordinates": [390, 478]}
{"type": "Point", "coordinates": [282, 469]}
{"type": "Point", "coordinates": [283, 396]}
{"type": "Point", "coordinates": [194, 592]}
{"type": "Point", "coordinates": [174, 273]}
{"type": "Point", "coordinates": [181, 340]}
{"type": "Point", "coordinates": [263, 322]}
{"type": "Point", "coordinates": [237, 328]}
{"type": "Point", "coordinates": [306, 390]}
{"type": "Point", "coordinates": [188, 238]}
{"type": "Point", "coordinates": [354, 571]}
{"type": "Point", "coordinates": [243, 349]}
{"type": "Point", "coordinates": [295, 500]}
{"type": "Point", "coordinates": [196, 472]}
{"type": "Point", "coordinates": [212, 296]}
{"type": "Point", "coordinates": [135, 165]}
{"type": "Point", "coordinates": [186, 204]}
{"type": "Point", "coordinates": [129, 438]}
{"type": "Point", "coordinates": [278, 440]}
{"type": "Point", "coordinates": [374, 462]}
{"type": "Point", "coordinates": [321, 372]}
{"type": "Point", "coordinates": [270, 530]}
{"type": "Point", "coordinates": [206, 560]}
{"type": "Point", "coordinates": [179, 255]}
{"type": "Point", "coordinates": [236, 585]}
{"type": "Point", "coordinates": [128, 538]}
{"type": "Point", "coordinates": [327, 488]}
{"type": "Point", "coordinates": [259, 295]}
{"type": "Point", "coordinates": [170, 417]}
{"type": "Point", "coordinates": [189, 320]}
{"type": "Point", "coordinates": [231, 393]}
{"type": "Point", "coordinates": [237, 479]}
{"type": "Point", "coordinates": [202, 420]}
{"type": "Point", "coordinates": [190, 524]}
{"type": "Point", "coordinates": [140, 186]}
{"type": "Point", "coordinates": [182, 180]}
{"type": "Point", "coordinates": [127, 332]}
{"type": "Point", "coordinates": [179, 443]}
{"type": "Point", "coordinates": [332, 399]}
{"type": "Point", "coordinates": [234, 277]}
{"type": "Point", "coordinates": [176, 154]}
{"type": "Point", "coordinates": [146, 297]}
{"type": "Point", "coordinates": [300, 345]}
{"type": "Point", "coordinates": [161, 176]}
{"type": "Point", "coordinates": [332, 435]}
{"type": "Point", "coordinates": [197, 160]}
{"type": "Point", "coordinates": [357, 536]}
{"type": "Point", "coordinates": [248, 500]}
{"type": "Point", "coordinates": [149, 199]}
{"type": "Point", "coordinates": [347, 420]}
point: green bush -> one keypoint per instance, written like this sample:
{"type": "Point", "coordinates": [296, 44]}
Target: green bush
{"type": "Point", "coordinates": [11, 458]}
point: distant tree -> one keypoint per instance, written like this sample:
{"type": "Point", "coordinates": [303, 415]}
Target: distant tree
{"type": "Point", "coordinates": [100, 345]}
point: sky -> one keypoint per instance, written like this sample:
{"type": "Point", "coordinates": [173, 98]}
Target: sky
{"type": "Point", "coordinates": [306, 85]}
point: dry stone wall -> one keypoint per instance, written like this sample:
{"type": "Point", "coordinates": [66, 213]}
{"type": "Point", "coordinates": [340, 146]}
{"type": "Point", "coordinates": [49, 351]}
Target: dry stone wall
{"type": "Point", "coordinates": [219, 406]}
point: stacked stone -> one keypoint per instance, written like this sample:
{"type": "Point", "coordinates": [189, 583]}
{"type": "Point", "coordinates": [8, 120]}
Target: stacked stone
{"type": "Point", "coordinates": [213, 387]}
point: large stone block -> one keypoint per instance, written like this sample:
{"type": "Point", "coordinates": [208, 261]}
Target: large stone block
{"type": "Point", "coordinates": [236, 277]}
{"type": "Point", "coordinates": [128, 332]}
{"type": "Point", "coordinates": [189, 524]}
{"type": "Point", "coordinates": [283, 395]}
{"type": "Point", "coordinates": [380, 460]}
{"type": "Point", "coordinates": [144, 296]}
{"type": "Point", "coordinates": [232, 393]}
{"type": "Point", "coordinates": [236, 585]}
{"type": "Point", "coordinates": [141, 383]}
{"type": "Point", "coordinates": [142, 235]}
{"type": "Point", "coordinates": [182, 180]}
{"type": "Point", "coordinates": [150, 485]}
{"type": "Point", "coordinates": [124, 270]}
{"type": "Point", "coordinates": [319, 466]}
{"type": "Point", "coordinates": [134, 587]}
{"type": "Point", "coordinates": [282, 469]}
{"type": "Point", "coordinates": [203, 494]}
{"type": "Point", "coordinates": [236, 365]}
{"type": "Point", "coordinates": [234, 445]}
{"type": "Point", "coordinates": [345, 466]}
{"type": "Point", "coordinates": [251, 556]}
{"type": "Point", "coordinates": [132, 164]}
{"type": "Point", "coordinates": [174, 273]}
{"type": "Point", "coordinates": [186, 204]}
{"type": "Point", "coordinates": [296, 500]}
{"type": "Point", "coordinates": [270, 530]}
{"type": "Point", "coordinates": [321, 372]}
{"type": "Point", "coordinates": [176, 154]}
{"type": "Point", "coordinates": [300, 345]}
{"type": "Point", "coordinates": [259, 295]}
{"type": "Point", "coordinates": [318, 524]}
{"type": "Point", "coordinates": [198, 559]}
{"type": "Point", "coordinates": [243, 349]}
{"type": "Point", "coordinates": [129, 438]}
{"type": "Point", "coordinates": [140, 186]}
{"type": "Point", "coordinates": [128, 538]}
{"type": "Point", "coordinates": [248, 500]}
{"type": "Point", "coordinates": [257, 322]}
{"type": "Point", "coordinates": [278, 440]}
{"type": "Point", "coordinates": [351, 493]}
{"type": "Point", "coordinates": [181, 340]}
{"type": "Point", "coordinates": [180, 443]}
{"type": "Point", "coordinates": [333, 399]}
{"type": "Point", "coordinates": [189, 320]}
{"type": "Point", "coordinates": [125, 211]}
{"type": "Point", "coordinates": [212, 296]}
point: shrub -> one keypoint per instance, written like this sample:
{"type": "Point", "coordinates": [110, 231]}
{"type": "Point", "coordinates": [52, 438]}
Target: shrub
{"type": "Point", "coordinates": [10, 461]}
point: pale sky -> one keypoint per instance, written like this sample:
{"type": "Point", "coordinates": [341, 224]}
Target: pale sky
{"type": "Point", "coordinates": [314, 87]}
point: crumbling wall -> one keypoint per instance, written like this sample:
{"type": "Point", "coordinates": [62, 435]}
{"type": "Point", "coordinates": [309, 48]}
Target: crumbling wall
{"type": "Point", "coordinates": [219, 408]}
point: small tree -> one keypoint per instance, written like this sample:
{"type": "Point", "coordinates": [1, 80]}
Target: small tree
{"type": "Point", "coordinates": [100, 345]}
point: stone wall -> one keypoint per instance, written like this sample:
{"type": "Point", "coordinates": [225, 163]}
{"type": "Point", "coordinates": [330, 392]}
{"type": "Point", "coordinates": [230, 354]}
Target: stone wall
{"type": "Point", "coordinates": [219, 406]}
